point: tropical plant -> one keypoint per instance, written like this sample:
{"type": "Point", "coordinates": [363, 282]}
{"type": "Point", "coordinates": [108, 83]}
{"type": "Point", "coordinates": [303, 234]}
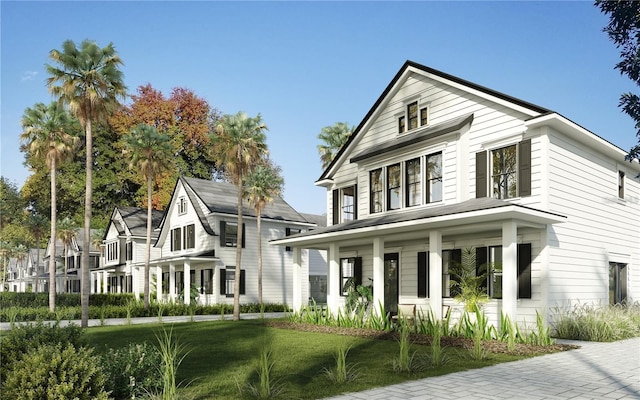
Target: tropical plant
{"type": "Point", "coordinates": [342, 373]}
{"type": "Point", "coordinates": [467, 283]}
{"type": "Point", "coordinates": [240, 143]}
{"type": "Point", "coordinates": [67, 231]}
{"type": "Point", "coordinates": [333, 138]}
{"type": "Point", "coordinates": [262, 184]}
{"type": "Point", "coordinates": [47, 135]}
{"type": "Point", "coordinates": [172, 353]}
{"type": "Point", "coordinates": [88, 80]}
{"type": "Point", "coordinates": [132, 371]}
{"type": "Point", "coordinates": [150, 153]}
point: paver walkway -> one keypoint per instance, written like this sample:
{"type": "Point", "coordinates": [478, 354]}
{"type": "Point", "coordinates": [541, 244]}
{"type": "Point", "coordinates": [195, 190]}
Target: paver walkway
{"type": "Point", "coordinates": [595, 371]}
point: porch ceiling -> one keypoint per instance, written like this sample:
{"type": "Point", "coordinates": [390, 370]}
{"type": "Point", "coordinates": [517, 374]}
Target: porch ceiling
{"type": "Point", "coordinates": [471, 216]}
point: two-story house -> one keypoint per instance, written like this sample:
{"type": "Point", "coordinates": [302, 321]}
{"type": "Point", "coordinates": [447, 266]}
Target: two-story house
{"type": "Point", "coordinates": [197, 239]}
{"type": "Point", "coordinates": [124, 251]}
{"type": "Point", "coordinates": [439, 165]}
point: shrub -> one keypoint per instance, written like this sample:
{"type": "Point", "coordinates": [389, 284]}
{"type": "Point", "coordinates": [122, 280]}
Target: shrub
{"type": "Point", "coordinates": [598, 324]}
{"type": "Point", "coordinates": [132, 371]}
{"type": "Point", "coordinates": [56, 371]}
{"type": "Point", "coordinates": [21, 339]}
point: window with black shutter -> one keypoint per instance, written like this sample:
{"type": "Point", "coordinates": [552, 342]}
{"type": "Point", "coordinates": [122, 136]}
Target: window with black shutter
{"type": "Point", "coordinates": [423, 274]}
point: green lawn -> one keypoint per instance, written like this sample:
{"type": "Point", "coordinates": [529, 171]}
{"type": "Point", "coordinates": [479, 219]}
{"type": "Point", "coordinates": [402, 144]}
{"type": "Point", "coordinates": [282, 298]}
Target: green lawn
{"type": "Point", "coordinates": [224, 354]}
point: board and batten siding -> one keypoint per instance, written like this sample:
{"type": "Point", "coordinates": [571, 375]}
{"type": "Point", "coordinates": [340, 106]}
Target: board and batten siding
{"type": "Point", "coordinates": [600, 227]}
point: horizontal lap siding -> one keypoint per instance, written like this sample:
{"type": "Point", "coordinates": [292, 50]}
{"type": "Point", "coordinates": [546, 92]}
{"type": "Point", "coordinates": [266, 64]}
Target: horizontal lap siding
{"type": "Point", "coordinates": [583, 187]}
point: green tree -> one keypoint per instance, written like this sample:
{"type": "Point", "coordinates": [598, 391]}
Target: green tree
{"type": "Point", "coordinates": [67, 231]}
{"type": "Point", "coordinates": [151, 154]}
{"type": "Point", "coordinates": [624, 30]}
{"type": "Point", "coordinates": [11, 205]}
{"type": "Point", "coordinates": [262, 184]}
{"type": "Point", "coordinates": [46, 136]}
{"type": "Point", "coordinates": [89, 81]}
{"type": "Point", "coordinates": [240, 143]}
{"type": "Point", "coordinates": [333, 138]}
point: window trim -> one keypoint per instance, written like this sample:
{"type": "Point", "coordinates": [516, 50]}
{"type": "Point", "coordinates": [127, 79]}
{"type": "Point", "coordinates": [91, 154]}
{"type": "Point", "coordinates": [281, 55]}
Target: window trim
{"type": "Point", "coordinates": [380, 192]}
{"type": "Point", "coordinates": [176, 239]}
{"type": "Point", "coordinates": [390, 188]}
{"type": "Point", "coordinates": [189, 236]}
{"type": "Point", "coordinates": [417, 182]}
{"type": "Point", "coordinates": [621, 181]}
{"type": "Point", "coordinates": [428, 180]}
{"type": "Point", "coordinates": [182, 205]}
{"type": "Point", "coordinates": [356, 275]}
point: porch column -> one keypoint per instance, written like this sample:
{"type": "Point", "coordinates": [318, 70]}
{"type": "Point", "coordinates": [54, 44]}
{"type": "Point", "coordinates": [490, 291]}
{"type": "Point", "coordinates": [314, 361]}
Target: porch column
{"type": "Point", "coordinates": [297, 282]}
{"type": "Point", "coordinates": [186, 293]}
{"type": "Point", "coordinates": [378, 274]}
{"type": "Point", "coordinates": [435, 273]}
{"type": "Point", "coordinates": [159, 283]}
{"type": "Point", "coordinates": [333, 278]}
{"type": "Point", "coordinates": [92, 285]}
{"type": "Point", "coordinates": [105, 281]}
{"type": "Point", "coordinates": [135, 281]}
{"type": "Point", "coordinates": [172, 281]}
{"type": "Point", "coordinates": [509, 268]}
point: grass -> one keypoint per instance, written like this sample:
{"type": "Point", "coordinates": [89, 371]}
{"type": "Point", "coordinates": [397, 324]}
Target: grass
{"type": "Point", "coordinates": [597, 323]}
{"type": "Point", "coordinates": [223, 355]}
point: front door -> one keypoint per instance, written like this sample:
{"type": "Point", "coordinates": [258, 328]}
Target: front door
{"type": "Point", "coordinates": [391, 283]}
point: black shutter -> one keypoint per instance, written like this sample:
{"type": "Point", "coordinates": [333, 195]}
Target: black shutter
{"type": "Point", "coordinates": [336, 207]}
{"type": "Point", "coordinates": [355, 201]}
{"type": "Point", "coordinates": [481, 174]}
{"type": "Point", "coordinates": [481, 266]}
{"type": "Point", "coordinates": [223, 241]}
{"type": "Point", "coordinates": [242, 281]}
{"type": "Point", "coordinates": [524, 271]}
{"type": "Point", "coordinates": [244, 235]}
{"type": "Point", "coordinates": [202, 281]}
{"type": "Point", "coordinates": [357, 271]}
{"type": "Point", "coordinates": [223, 281]}
{"type": "Point", "coordinates": [524, 168]}
{"type": "Point", "coordinates": [423, 274]}
{"type": "Point", "coordinates": [287, 232]}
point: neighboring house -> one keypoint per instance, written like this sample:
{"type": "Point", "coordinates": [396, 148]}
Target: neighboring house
{"type": "Point", "coordinates": [440, 164]}
{"type": "Point", "coordinates": [197, 240]}
{"type": "Point", "coordinates": [317, 264]}
{"type": "Point", "coordinates": [124, 247]}
{"type": "Point", "coordinates": [27, 275]}
{"type": "Point", "coordinates": [73, 257]}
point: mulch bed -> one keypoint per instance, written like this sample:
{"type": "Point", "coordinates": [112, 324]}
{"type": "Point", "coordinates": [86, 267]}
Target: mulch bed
{"type": "Point", "coordinates": [492, 346]}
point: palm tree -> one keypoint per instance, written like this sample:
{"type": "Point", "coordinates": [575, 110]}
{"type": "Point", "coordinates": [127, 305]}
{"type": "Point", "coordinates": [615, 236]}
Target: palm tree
{"type": "Point", "coordinates": [20, 253]}
{"type": "Point", "coordinates": [6, 252]}
{"type": "Point", "coordinates": [67, 231]}
{"type": "Point", "coordinates": [240, 143]}
{"type": "Point", "coordinates": [261, 185]}
{"type": "Point", "coordinates": [333, 138]}
{"type": "Point", "coordinates": [46, 135]}
{"type": "Point", "coordinates": [88, 80]}
{"type": "Point", "coordinates": [150, 153]}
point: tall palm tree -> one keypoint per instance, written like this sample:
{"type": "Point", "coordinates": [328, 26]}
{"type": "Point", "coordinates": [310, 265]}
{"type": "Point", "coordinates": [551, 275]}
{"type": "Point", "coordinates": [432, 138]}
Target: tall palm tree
{"type": "Point", "coordinates": [240, 143]}
{"type": "Point", "coordinates": [333, 138]}
{"type": "Point", "coordinates": [47, 135]}
{"type": "Point", "coordinates": [88, 80]}
{"type": "Point", "coordinates": [150, 153]}
{"type": "Point", "coordinates": [261, 185]}
{"type": "Point", "coordinates": [67, 231]}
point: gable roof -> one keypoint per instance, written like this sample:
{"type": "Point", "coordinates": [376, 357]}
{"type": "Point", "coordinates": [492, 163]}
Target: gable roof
{"type": "Point", "coordinates": [427, 70]}
{"type": "Point", "coordinates": [135, 218]}
{"type": "Point", "coordinates": [222, 198]}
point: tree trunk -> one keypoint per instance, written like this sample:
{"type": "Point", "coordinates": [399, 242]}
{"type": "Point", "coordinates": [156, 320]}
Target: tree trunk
{"type": "Point", "coordinates": [86, 242]}
{"type": "Point", "coordinates": [259, 213]}
{"type": "Point", "coordinates": [236, 282]}
{"type": "Point", "coordinates": [66, 267]}
{"type": "Point", "coordinates": [147, 257]}
{"type": "Point", "coordinates": [52, 253]}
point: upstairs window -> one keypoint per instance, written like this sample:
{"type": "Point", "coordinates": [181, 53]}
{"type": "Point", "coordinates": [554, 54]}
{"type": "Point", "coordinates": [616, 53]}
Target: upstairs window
{"type": "Point", "coordinates": [503, 172]}
{"type": "Point", "coordinates": [129, 251]}
{"type": "Point", "coordinates": [182, 206]}
{"type": "Point", "coordinates": [621, 184]}
{"type": "Point", "coordinates": [434, 177]}
{"type": "Point", "coordinates": [424, 116]}
{"type": "Point", "coordinates": [229, 234]}
{"type": "Point", "coordinates": [345, 204]}
{"type": "Point", "coordinates": [176, 242]}
{"type": "Point", "coordinates": [413, 117]}
{"type": "Point", "coordinates": [111, 254]}
{"type": "Point", "coordinates": [189, 236]}
{"type": "Point", "coordinates": [376, 191]}
{"type": "Point", "coordinates": [393, 187]}
{"type": "Point", "coordinates": [414, 184]}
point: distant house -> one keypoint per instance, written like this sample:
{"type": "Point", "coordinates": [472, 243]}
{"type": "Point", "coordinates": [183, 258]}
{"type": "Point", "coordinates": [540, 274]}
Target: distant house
{"type": "Point", "coordinates": [440, 164]}
{"type": "Point", "coordinates": [27, 275]}
{"type": "Point", "coordinates": [124, 249]}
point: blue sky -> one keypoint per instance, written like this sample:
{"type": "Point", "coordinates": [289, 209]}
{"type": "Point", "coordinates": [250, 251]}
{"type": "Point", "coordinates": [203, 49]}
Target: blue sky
{"type": "Point", "coordinates": [306, 65]}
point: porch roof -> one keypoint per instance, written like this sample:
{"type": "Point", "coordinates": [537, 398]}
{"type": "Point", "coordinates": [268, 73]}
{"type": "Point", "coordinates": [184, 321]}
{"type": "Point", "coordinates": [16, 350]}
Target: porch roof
{"type": "Point", "coordinates": [483, 214]}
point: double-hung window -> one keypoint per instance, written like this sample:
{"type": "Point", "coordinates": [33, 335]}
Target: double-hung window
{"type": "Point", "coordinates": [394, 180]}
{"type": "Point", "coordinates": [350, 274]}
{"type": "Point", "coordinates": [503, 172]}
{"type": "Point", "coordinates": [617, 283]}
{"type": "Point", "coordinates": [176, 239]}
{"type": "Point", "coordinates": [129, 251]}
{"type": "Point", "coordinates": [413, 182]}
{"type": "Point", "coordinates": [229, 234]}
{"type": "Point", "coordinates": [413, 117]}
{"type": "Point", "coordinates": [206, 281]}
{"type": "Point", "coordinates": [228, 280]}
{"type": "Point", "coordinates": [345, 204]}
{"type": "Point", "coordinates": [189, 236]}
{"type": "Point", "coordinates": [434, 177]}
{"type": "Point", "coordinates": [376, 191]}
{"type": "Point", "coordinates": [112, 251]}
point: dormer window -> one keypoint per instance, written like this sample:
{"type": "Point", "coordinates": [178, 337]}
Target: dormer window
{"type": "Point", "coordinates": [182, 206]}
{"type": "Point", "coordinates": [413, 117]}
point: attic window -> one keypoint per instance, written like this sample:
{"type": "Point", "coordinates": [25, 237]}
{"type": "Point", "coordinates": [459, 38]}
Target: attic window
{"type": "Point", "coordinates": [182, 206]}
{"type": "Point", "coordinates": [413, 117]}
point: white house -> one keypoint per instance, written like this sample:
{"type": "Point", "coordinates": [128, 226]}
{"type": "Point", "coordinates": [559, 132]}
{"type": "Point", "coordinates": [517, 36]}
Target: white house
{"type": "Point", "coordinates": [27, 274]}
{"type": "Point", "coordinates": [197, 239]}
{"type": "Point", "coordinates": [124, 249]}
{"type": "Point", "coordinates": [69, 282]}
{"type": "Point", "coordinates": [440, 164]}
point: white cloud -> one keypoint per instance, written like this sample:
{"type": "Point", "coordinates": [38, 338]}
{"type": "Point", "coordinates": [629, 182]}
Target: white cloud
{"type": "Point", "coordinates": [28, 76]}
